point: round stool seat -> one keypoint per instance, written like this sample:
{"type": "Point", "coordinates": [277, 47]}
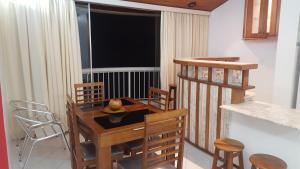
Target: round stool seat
{"type": "Point", "coordinates": [265, 161]}
{"type": "Point", "coordinates": [229, 145]}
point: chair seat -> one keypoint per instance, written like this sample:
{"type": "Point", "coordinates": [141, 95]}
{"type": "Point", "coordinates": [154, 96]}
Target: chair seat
{"type": "Point", "coordinates": [229, 145]}
{"type": "Point", "coordinates": [267, 161]}
{"type": "Point", "coordinates": [136, 144]}
{"type": "Point", "coordinates": [136, 163]}
{"type": "Point", "coordinates": [89, 151]}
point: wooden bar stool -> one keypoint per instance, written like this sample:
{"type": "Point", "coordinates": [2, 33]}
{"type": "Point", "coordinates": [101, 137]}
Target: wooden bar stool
{"type": "Point", "coordinates": [265, 161]}
{"type": "Point", "coordinates": [231, 148]}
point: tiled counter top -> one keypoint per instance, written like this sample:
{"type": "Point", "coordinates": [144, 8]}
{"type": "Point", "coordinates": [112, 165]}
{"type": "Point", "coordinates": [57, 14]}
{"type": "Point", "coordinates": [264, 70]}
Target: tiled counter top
{"type": "Point", "coordinates": [269, 112]}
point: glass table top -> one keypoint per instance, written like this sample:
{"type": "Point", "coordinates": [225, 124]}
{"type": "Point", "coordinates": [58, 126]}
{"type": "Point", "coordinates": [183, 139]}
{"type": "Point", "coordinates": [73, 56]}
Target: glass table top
{"type": "Point", "coordinates": [122, 119]}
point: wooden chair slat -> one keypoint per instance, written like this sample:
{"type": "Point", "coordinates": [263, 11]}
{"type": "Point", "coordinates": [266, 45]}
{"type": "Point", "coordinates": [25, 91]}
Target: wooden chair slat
{"type": "Point", "coordinates": [158, 102]}
{"type": "Point", "coordinates": [158, 98]}
{"type": "Point", "coordinates": [161, 141]}
{"type": "Point", "coordinates": [155, 149]}
{"type": "Point", "coordinates": [87, 93]}
{"type": "Point", "coordinates": [163, 155]}
{"type": "Point", "coordinates": [78, 160]}
{"type": "Point", "coordinates": [168, 129]}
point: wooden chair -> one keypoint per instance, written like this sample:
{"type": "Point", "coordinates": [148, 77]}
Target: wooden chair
{"type": "Point", "coordinates": [231, 148]}
{"type": "Point", "coordinates": [265, 161]}
{"type": "Point", "coordinates": [173, 96]}
{"type": "Point", "coordinates": [158, 98]}
{"type": "Point", "coordinates": [87, 93]}
{"type": "Point", "coordinates": [165, 152]}
{"type": "Point", "coordinates": [83, 154]}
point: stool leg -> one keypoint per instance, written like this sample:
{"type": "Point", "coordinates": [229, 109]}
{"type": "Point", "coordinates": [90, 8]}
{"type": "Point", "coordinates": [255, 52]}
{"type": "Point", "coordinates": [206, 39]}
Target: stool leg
{"type": "Point", "coordinates": [229, 161]}
{"type": "Point", "coordinates": [225, 159]}
{"type": "Point", "coordinates": [241, 160]}
{"type": "Point", "coordinates": [216, 158]}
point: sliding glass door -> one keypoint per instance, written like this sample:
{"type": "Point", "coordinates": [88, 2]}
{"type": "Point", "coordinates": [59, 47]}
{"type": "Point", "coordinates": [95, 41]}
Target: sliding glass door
{"type": "Point", "coordinates": [120, 47]}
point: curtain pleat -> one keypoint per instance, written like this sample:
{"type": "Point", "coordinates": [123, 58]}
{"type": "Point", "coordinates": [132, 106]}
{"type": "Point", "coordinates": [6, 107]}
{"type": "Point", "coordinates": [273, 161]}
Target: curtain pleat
{"type": "Point", "coordinates": [40, 52]}
{"type": "Point", "coordinates": [182, 36]}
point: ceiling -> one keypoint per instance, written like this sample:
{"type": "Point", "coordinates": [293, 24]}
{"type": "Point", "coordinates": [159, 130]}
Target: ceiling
{"type": "Point", "coordinates": [205, 5]}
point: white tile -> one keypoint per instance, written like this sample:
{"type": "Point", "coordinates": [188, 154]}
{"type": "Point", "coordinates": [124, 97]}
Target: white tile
{"type": "Point", "coordinates": [51, 155]}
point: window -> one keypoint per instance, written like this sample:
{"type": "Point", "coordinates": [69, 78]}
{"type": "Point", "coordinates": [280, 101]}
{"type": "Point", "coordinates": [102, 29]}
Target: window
{"type": "Point", "coordinates": [261, 19]}
{"type": "Point", "coordinates": [125, 40]}
{"type": "Point", "coordinates": [121, 48]}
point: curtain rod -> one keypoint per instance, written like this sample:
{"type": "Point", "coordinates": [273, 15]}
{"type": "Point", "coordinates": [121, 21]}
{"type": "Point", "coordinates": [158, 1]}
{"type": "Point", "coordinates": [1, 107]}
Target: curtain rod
{"type": "Point", "coordinates": [123, 13]}
{"type": "Point", "coordinates": [143, 6]}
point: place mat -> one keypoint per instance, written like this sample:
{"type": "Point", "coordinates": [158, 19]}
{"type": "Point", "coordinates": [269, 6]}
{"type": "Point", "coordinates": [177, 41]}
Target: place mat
{"type": "Point", "coordinates": [127, 118]}
{"type": "Point", "coordinates": [103, 104]}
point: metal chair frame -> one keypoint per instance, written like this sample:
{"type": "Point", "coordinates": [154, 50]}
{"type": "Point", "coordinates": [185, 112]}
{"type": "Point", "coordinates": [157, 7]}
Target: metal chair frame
{"type": "Point", "coordinates": [30, 120]}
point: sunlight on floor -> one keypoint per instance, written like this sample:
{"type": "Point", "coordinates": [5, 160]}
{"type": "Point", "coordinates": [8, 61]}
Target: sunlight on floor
{"type": "Point", "coordinates": [51, 155]}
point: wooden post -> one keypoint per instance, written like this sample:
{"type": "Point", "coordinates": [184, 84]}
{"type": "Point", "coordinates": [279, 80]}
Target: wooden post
{"type": "Point", "coordinates": [207, 108]}
{"type": "Point", "coordinates": [245, 78]}
{"type": "Point", "coordinates": [189, 110]}
{"type": "Point", "coordinates": [197, 113]}
{"type": "Point", "coordinates": [237, 96]}
{"type": "Point", "coordinates": [219, 115]}
{"type": "Point", "coordinates": [196, 72]}
{"type": "Point", "coordinates": [225, 82]}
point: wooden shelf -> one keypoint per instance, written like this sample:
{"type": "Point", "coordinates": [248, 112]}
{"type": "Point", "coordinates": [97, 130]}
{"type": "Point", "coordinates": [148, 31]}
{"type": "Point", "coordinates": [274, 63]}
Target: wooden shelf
{"type": "Point", "coordinates": [226, 59]}
{"type": "Point", "coordinates": [216, 64]}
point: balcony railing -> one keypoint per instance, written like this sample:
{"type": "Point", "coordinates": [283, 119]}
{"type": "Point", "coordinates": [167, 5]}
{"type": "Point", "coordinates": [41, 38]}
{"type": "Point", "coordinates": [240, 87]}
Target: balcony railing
{"type": "Point", "coordinates": [119, 82]}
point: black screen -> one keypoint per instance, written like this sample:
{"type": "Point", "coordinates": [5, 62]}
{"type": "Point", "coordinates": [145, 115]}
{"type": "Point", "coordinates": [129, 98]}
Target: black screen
{"type": "Point", "coordinates": [124, 40]}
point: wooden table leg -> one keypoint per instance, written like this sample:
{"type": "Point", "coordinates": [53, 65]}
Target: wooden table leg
{"type": "Point", "coordinates": [104, 158]}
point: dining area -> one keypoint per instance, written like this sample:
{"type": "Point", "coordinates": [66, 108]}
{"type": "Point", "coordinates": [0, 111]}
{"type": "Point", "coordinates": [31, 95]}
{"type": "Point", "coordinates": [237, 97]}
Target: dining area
{"type": "Point", "coordinates": [122, 128]}
{"type": "Point", "coordinates": [129, 133]}
{"type": "Point", "coordinates": [111, 133]}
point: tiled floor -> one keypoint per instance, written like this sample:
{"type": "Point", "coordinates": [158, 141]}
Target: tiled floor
{"type": "Point", "coordinates": [51, 155]}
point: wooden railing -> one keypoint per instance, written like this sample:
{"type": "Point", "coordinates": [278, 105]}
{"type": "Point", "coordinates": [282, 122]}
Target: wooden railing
{"type": "Point", "coordinates": [204, 84]}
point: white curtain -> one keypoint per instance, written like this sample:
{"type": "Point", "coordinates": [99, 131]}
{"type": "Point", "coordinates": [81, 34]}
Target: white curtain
{"type": "Point", "coordinates": [39, 51]}
{"type": "Point", "coordinates": [182, 36]}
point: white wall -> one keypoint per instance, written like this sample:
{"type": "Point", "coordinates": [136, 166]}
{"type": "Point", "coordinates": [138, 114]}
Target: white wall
{"type": "Point", "coordinates": [266, 137]}
{"type": "Point", "coordinates": [286, 54]}
{"type": "Point", "coordinates": [299, 31]}
{"type": "Point", "coordinates": [225, 39]}
{"type": "Point", "coordinates": [298, 55]}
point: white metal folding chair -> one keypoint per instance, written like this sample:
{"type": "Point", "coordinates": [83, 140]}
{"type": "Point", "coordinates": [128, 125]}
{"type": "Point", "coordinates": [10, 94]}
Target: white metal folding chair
{"type": "Point", "coordinates": [38, 124]}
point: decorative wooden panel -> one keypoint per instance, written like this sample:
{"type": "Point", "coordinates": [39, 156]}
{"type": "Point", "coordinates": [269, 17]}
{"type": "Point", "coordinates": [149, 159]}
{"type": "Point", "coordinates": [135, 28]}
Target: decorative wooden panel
{"type": "Point", "coordinates": [205, 5]}
{"type": "Point", "coordinates": [261, 19]}
{"type": "Point", "coordinates": [203, 86]}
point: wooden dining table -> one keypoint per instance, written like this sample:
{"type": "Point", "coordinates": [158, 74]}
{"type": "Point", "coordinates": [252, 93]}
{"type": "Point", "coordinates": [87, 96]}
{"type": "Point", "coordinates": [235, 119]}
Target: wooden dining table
{"type": "Point", "coordinates": [105, 135]}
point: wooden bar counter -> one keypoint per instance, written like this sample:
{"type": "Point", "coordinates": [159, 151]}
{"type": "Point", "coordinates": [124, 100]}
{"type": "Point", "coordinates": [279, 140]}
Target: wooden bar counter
{"type": "Point", "coordinates": [204, 84]}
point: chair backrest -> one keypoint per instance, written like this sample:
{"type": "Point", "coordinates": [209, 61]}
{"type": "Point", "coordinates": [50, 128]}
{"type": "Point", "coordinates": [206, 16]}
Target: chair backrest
{"type": "Point", "coordinates": [86, 93]}
{"type": "Point", "coordinates": [158, 98]}
{"type": "Point", "coordinates": [73, 132]}
{"type": "Point", "coordinates": [30, 121]}
{"type": "Point", "coordinates": [164, 139]}
{"type": "Point", "coordinates": [28, 105]}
